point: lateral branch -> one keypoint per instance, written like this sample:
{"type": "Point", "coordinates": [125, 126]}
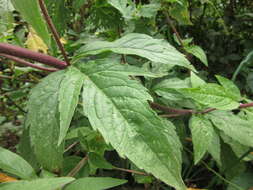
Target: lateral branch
{"type": "Point", "coordinates": [20, 52]}
{"type": "Point", "coordinates": [23, 62]}
{"type": "Point", "coordinates": [174, 112]}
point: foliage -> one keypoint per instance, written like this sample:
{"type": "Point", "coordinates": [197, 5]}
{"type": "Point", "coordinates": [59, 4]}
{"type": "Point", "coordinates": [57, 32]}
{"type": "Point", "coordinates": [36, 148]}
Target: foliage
{"type": "Point", "coordinates": [148, 92]}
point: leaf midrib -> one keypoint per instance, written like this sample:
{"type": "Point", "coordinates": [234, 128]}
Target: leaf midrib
{"type": "Point", "coordinates": [158, 158]}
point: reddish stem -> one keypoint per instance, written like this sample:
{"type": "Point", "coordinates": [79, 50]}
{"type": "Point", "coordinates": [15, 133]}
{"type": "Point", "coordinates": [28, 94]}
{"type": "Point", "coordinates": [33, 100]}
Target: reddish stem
{"type": "Point", "coordinates": [131, 171]}
{"type": "Point", "coordinates": [53, 30]}
{"type": "Point", "coordinates": [28, 54]}
{"type": "Point", "coordinates": [180, 112]}
{"type": "Point", "coordinates": [170, 110]}
{"type": "Point", "coordinates": [246, 105]}
{"type": "Point", "coordinates": [23, 62]}
{"type": "Point", "coordinates": [169, 21]}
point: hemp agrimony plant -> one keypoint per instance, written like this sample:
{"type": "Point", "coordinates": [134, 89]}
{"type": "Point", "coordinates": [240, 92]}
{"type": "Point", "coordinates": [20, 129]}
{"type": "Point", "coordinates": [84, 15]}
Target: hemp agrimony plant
{"type": "Point", "coordinates": [119, 88]}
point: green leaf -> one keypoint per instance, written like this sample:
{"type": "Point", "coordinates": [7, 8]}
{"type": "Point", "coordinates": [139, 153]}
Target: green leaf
{"type": "Point", "coordinates": [173, 83]}
{"type": "Point", "coordinates": [237, 148]}
{"type": "Point", "coordinates": [60, 14]}
{"type": "Point", "coordinates": [238, 129]}
{"type": "Point", "coordinates": [214, 148]}
{"type": "Point", "coordinates": [117, 106]}
{"type": "Point", "coordinates": [248, 60]}
{"type": "Point", "coordinates": [7, 20]}
{"type": "Point", "coordinates": [202, 135]}
{"type": "Point", "coordinates": [38, 184]}
{"type": "Point", "coordinates": [230, 88]}
{"type": "Point", "coordinates": [173, 1]}
{"type": "Point", "coordinates": [95, 183]}
{"type": "Point", "coordinates": [43, 118]}
{"type": "Point", "coordinates": [98, 161]}
{"type": "Point", "coordinates": [196, 81]}
{"type": "Point", "coordinates": [110, 65]}
{"type": "Point", "coordinates": [149, 10]}
{"type": "Point", "coordinates": [231, 166]}
{"type": "Point", "coordinates": [5, 6]}
{"type": "Point", "coordinates": [142, 45]}
{"type": "Point", "coordinates": [25, 148]}
{"type": "Point", "coordinates": [198, 52]}
{"type": "Point", "coordinates": [180, 12]}
{"type": "Point", "coordinates": [30, 11]}
{"type": "Point", "coordinates": [141, 178]}
{"type": "Point", "coordinates": [70, 88]}
{"type": "Point", "coordinates": [79, 3]}
{"type": "Point", "coordinates": [125, 7]}
{"type": "Point", "coordinates": [14, 164]}
{"type": "Point", "coordinates": [84, 131]}
{"type": "Point", "coordinates": [244, 181]}
{"type": "Point", "coordinates": [168, 88]}
{"type": "Point", "coordinates": [211, 95]}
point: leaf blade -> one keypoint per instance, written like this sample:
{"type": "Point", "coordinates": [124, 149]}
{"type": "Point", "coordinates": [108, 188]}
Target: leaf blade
{"type": "Point", "coordinates": [202, 135]}
{"type": "Point", "coordinates": [15, 164]}
{"type": "Point", "coordinates": [43, 118]}
{"type": "Point", "coordinates": [33, 17]}
{"type": "Point", "coordinates": [142, 45]}
{"type": "Point", "coordinates": [95, 183]}
{"type": "Point", "coordinates": [211, 95]}
{"type": "Point", "coordinates": [238, 129]}
{"type": "Point", "coordinates": [38, 184]}
{"type": "Point", "coordinates": [117, 107]}
{"type": "Point", "coordinates": [230, 88]}
{"type": "Point", "coordinates": [70, 88]}
{"type": "Point", "coordinates": [198, 52]}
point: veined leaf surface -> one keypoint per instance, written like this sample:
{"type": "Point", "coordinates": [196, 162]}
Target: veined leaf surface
{"type": "Point", "coordinates": [70, 88]}
{"type": "Point", "coordinates": [230, 88]}
{"type": "Point", "coordinates": [111, 65]}
{"type": "Point", "coordinates": [155, 50]}
{"type": "Point", "coordinates": [211, 95]}
{"type": "Point", "coordinates": [233, 126]}
{"type": "Point", "coordinates": [202, 135]}
{"type": "Point", "coordinates": [117, 106]}
{"type": "Point", "coordinates": [198, 52]}
{"type": "Point", "coordinates": [14, 164]}
{"type": "Point", "coordinates": [43, 118]}
{"type": "Point", "coordinates": [215, 148]}
{"type": "Point", "coordinates": [125, 7]}
{"type": "Point", "coordinates": [38, 184]}
{"type": "Point", "coordinates": [95, 183]}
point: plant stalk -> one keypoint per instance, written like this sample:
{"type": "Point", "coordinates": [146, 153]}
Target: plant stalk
{"type": "Point", "coordinates": [53, 30]}
{"type": "Point", "coordinates": [28, 54]}
{"type": "Point", "coordinates": [23, 62]}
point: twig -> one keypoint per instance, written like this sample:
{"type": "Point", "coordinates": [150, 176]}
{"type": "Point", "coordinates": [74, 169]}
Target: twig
{"type": "Point", "coordinates": [246, 105]}
{"type": "Point", "coordinates": [214, 172]}
{"type": "Point", "coordinates": [231, 166]}
{"type": "Point", "coordinates": [173, 115]}
{"type": "Point", "coordinates": [131, 171]}
{"type": "Point", "coordinates": [170, 110]}
{"type": "Point", "coordinates": [207, 110]}
{"type": "Point", "coordinates": [23, 62]}
{"type": "Point", "coordinates": [78, 167]}
{"type": "Point", "coordinates": [71, 146]}
{"type": "Point", "coordinates": [174, 112]}
{"type": "Point", "coordinates": [169, 21]}
{"type": "Point", "coordinates": [20, 109]}
{"type": "Point", "coordinates": [28, 54]}
{"type": "Point", "coordinates": [6, 77]}
{"type": "Point", "coordinates": [11, 78]}
{"type": "Point", "coordinates": [53, 30]}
